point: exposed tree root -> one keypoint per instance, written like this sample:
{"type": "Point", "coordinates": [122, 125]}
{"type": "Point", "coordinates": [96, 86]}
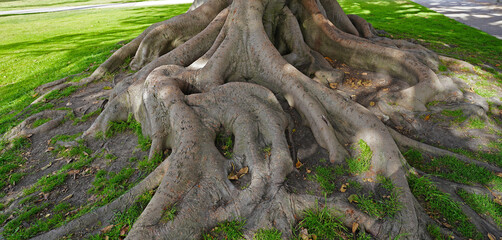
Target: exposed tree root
{"type": "Point", "coordinates": [218, 69]}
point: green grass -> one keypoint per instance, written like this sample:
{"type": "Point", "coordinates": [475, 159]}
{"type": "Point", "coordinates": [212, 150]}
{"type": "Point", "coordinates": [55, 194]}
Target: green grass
{"type": "Point", "coordinates": [225, 144]}
{"type": "Point", "coordinates": [476, 123]}
{"type": "Point", "coordinates": [495, 158]}
{"type": "Point", "coordinates": [440, 206]}
{"type": "Point", "coordinates": [326, 177]}
{"type": "Point", "coordinates": [267, 234]}
{"type": "Point", "coordinates": [405, 20]}
{"type": "Point", "coordinates": [362, 162]}
{"type": "Point", "coordinates": [124, 220]}
{"type": "Point", "coordinates": [58, 94]}
{"type": "Point", "coordinates": [231, 230]}
{"type": "Point", "coordinates": [484, 205]}
{"type": "Point", "coordinates": [30, 4]}
{"type": "Point", "coordinates": [435, 232]}
{"type": "Point", "coordinates": [168, 214]}
{"type": "Point", "coordinates": [86, 117]}
{"type": "Point", "coordinates": [144, 142]}
{"type": "Point", "coordinates": [386, 205]}
{"type": "Point", "coordinates": [320, 223]}
{"type": "Point", "coordinates": [40, 48]}
{"type": "Point", "coordinates": [451, 168]}
{"type": "Point", "coordinates": [10, 160]}
{"type": "Point", "coordinates": [109, 185]}
{"type": "Point", "coordinates": [40, 122]}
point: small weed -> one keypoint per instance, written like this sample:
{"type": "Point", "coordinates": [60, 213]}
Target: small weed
{"type": "Point", "coordinates": [231, 230]}
{"type": "Point", "coordinates": [11, 159]}
{"type": "Point", "coordinates": [362, 162]}
{"type": "Point", "coordinates": [387, 206]}
{"type": "Point", "coordinates": [484, 205]}
{"type": "Point", "coordinates": [168, 214]}
{"type": "Point", "coordinates": [440, 206]}
{"type": "Point", "coordinates": [144, 142]}
{"type": "Point", "coordinates": [267, 234]}
{"type": "Point", "coordinates": [110, 185]}
{"type": "Point", "coordinates": [51, 181]}
{"type": "Point", "coordinates": [325, 176]}
{"type": "Point", "coordinates": [354, 184]}
{"type": "Point", "coordinates": [110, 156]}
{"type": "Point", "coordinates": [148, 165]}
{"type": "Point", "coordinates": [225, 145]}
{"type": "Point", "coordinates": [442, 68]}
{"type": "Point", "coordinates": [452, 113]}
{"type": "Point", "coordinates": [64, 138]}
{"type": "Point", "coordinates": [39, 122]}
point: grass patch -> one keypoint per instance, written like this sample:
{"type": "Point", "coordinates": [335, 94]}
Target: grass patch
{"type": "Point", "coordinates": [10, 160]}
{"type": "Point", "coordinates": [123, 221]}
{"type": "Point", "coordinates": [231, 230]}
{"type": "Point", "coordinates": [435, 232]}
{"type": "Point", "coordinates": [148, 165]}
{"type": "Point", "coordinates": [109, 185]}
{"type": "Point", "coordinates": [225, 144]}
{"type": "Point", "coordinates": [451, 168]}
{"type": "Point", "coordinates": [495, 158]}
{"type": "Point", "coordinates": [168, 214]}
{"type": "Point", "coordinates": [34, 50]}
{"type": "Point", "coordinates": [362, 162]}
{"type": "Point", "coordinates": [326, 176]}
{"type": "Point", "coordinates": [484, 205]}
{"type": "Point", "coordinates": [267, 234]}
{"type": "Point", "coordinates": [322, 224]}
{"type": "Point", "coordinates": [39, 122]}
{"type": "Point", "coordinates": [440, 206]}
{"type": "Point", "coordinates": [404, 19]}
{"type": "Point", "coordinates": [144, 142]}
{"type": "Point", "coordinates": [386, 204]}
{"type": "Point", "coordinates": [61, 93]}
{"type": "Point", "coordinates": [86, 117]}
{"type": "Point", "coordinates": [476, 123]}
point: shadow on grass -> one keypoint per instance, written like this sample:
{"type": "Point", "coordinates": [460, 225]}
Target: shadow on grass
{"type": "Point", "coordinates": [407, 20]}
{"type": "Point", "coordinates": [65, 53]}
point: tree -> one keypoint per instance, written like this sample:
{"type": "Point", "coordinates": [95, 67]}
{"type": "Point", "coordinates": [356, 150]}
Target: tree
{"type": "Point", "coordinates": [226, 66]}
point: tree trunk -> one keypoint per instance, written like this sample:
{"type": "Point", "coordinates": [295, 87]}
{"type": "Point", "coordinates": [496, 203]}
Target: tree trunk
{"type": "Point", "coordinates": [225, 66]}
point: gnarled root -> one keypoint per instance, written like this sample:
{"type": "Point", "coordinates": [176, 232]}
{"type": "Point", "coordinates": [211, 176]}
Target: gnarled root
{"type": "Point", "coordinates": [218, 68]}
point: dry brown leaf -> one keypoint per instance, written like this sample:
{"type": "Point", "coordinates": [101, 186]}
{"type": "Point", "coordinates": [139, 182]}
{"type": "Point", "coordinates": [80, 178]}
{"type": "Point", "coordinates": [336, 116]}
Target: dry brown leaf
{"type": "Point", "coordinates": [426, 118]}
{"type": "Point", "coordinates": [232, 176]}
{"type": "Point", "coordinates": [355, 225]}
{"type": "Point", "coordinates": [124, 230]}
{"type": "Point", "coordinates": [67, 197]}
{"type": "Point", "coordinates": [242, 172]}
{"type": "Point", "coordinates": [309, 171]}
{"type": "Point", "coordinates": [74, 171]}
{"type": "Point", "coordinates": [304, 234]}
{"type": "Point", "coordinates": [343, 188]}
{"type": "Point", "coordinates": [368, 179]}
{"type": "Point", "coordinates": [364, 74]}
{"type": "Point", "coordinates": [499, 174]}
{"type": "Point", "coordinates": [491, 237]}
{"type": "Point", "coordinates": [352, 198]}
{"type": "Point", "coordinates": [333, 85]}
{"type": "Point", "coordinates": [107, 229]}
{"type": "Point", "coordinates": [372, 103]}
{"type": "Point", "coordinates": [314, 237]}
{"type": "Point", "coordinates": [46, 166]}
{"type": "Point", "coordinates": [298, 164]}
{"type": "Point", "coordinates": [498, 201]}
{"type": "Point", "coordinates": [49, 149]}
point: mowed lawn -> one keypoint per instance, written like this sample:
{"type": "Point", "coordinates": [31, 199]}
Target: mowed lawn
{"type": "Point", "coordinates": [40, 48]}
{"type": "Point", "coordinates": [8, 5]}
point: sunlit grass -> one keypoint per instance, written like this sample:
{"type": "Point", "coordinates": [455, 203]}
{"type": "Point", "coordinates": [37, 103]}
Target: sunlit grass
{"type": "Point", "coordinates": [40, 48]}
{"type": "Point", "coordinates": [407, 20]}
{"type": "Point", "coordinates": [29, 4]}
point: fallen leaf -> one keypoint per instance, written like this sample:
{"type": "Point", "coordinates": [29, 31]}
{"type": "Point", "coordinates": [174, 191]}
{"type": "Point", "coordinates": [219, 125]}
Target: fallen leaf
{"type": "Point", "coordinates": [364, 74]}
{"type": "Point", "coordinates": [107, 228]}
{"type": "Point", "coordinates": [232, 176]}
{"type": "Point", "coordinates": [498, 201]}
{"type": "Point", "coordinates": [426, 118]}
{"type": "Point", "coordinates": [47, 215]}
{"type": "Point", "coordinates": [35, 95]}
{"type": "Point", "coordinates": [242, 172]}
{"type": "Point", "coordinates": [352, 198]}
{"type": "Point", "coordinates": [491, 237]}
{"type": "Point", "coordinates": [304, 234]}
{"type": "Point", "coordinates": [333, 85]}
{"type": "Point", "coordinates": [124, 230]}
{"type": "Point", "coordinates": [74, 171]}
{"type": "Point", "coordinates": [447, 225]}
{"type": "Point", "coordinates": [309, 171]}
{"type": "Point", "coordinates": [343, 188]}
{"type": "Point", "coordinates": [49, 149]}
{"type": "Point", "coordinates": [67, 197]}
{"type": "Point", "coordinates": [372, 103]}
{"type": "Point", "coordinates": [368, 179]}
{"type": "Point", "coordinates": [107, 88]}
{"type": "Point", "coordinates": [314, 237]}
{"type": "Point", "coordinates": [298, 164]}
{"type": "Point", "coordinates": [355, 225]}
{"type": "Point", "coordinates": [499, 174]}
{"type": "Point", "coordinates": [46, 166]}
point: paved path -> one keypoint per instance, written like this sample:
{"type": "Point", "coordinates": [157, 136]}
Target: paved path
{"type": "Point", "coordinates": [111, 5]}
{"type": "Point", "coordinates": [485, 15]}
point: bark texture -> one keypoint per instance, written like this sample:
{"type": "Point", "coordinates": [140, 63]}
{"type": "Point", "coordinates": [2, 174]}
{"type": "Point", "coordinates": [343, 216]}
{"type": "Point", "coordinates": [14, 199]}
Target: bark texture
{"type": "Point", "coordinates": [221, 67]}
